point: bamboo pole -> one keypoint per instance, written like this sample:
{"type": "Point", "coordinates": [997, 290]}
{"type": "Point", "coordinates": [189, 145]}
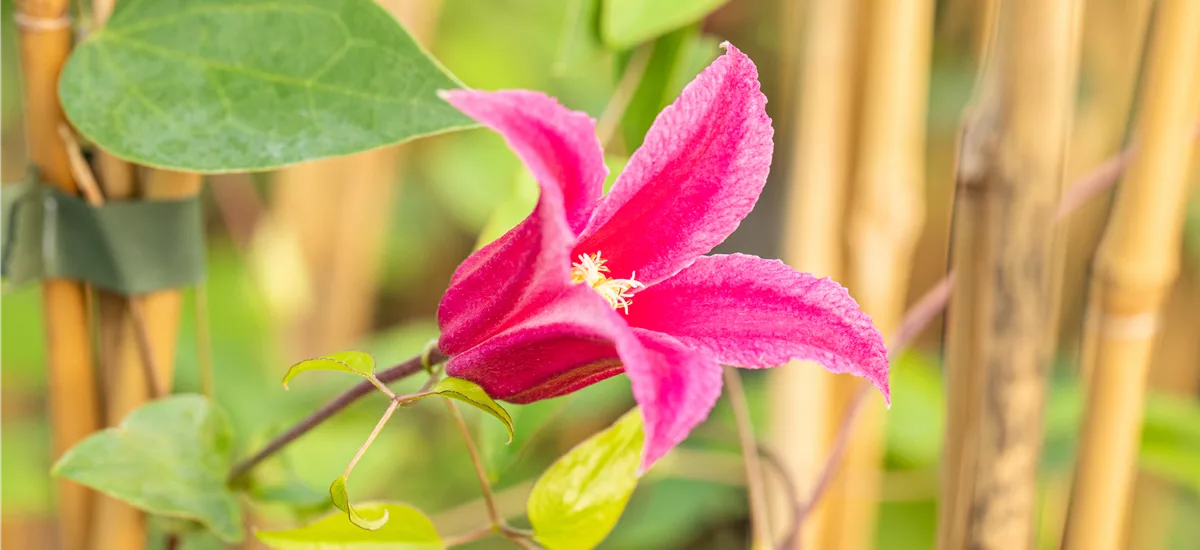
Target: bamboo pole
{"type": "Point", "coordinates": [1136, 264]}
{"type": "Point", "coordinates": [45, 41]}
{"type": "Point", "coordinates": [1005, 256]}
{"type": "Point", "coordinates": [885, 220]}
{"type": "Point", "coordinates": [343, 259]}
{"type": "Point", "coordinates": [818, 181]}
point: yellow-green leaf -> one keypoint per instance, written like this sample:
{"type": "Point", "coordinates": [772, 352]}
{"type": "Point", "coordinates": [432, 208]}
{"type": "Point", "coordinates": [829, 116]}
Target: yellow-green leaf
{"type": "Point", "coordinates": [470, 393]}
{"type": "Point", "coordinates": [353, 362]}
{"type": "Point", "coordinates": [372, 521]}
{"type": "Point", "coordinates": [578, 501]}
{"type": "Point", "coordinates": [240, 85]}
{"type": "Point", "coordinates": [407, 529]}
{"type": "Point", "coordinates": [169, 458]}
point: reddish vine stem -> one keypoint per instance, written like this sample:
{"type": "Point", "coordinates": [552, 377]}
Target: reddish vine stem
{"type": "Point", "coordinates": [392, 374]}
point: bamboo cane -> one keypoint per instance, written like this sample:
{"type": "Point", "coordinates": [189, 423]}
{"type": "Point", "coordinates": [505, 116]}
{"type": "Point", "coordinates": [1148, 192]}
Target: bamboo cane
{"type": "Point", "coordinates": [885, 218]}
{"type": "Point", "coordinates": [343, 259]}
{"type": "Point", "coordinates": [1136, 264]}
{"type": "Point", "coordinates": [1010, 175]}
{"type": "Point", "coordinates": [45, 41]}
{"type": "Point", "coordinates": [818, 180]}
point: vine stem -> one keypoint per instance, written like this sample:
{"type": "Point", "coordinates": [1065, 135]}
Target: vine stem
{"type": "Point", "coordinates": [387, 415]}
{"type": "Point", "coordinates": [610, 119]}
{"type": "Point", "coordinates": [335, 405]}
{"type": "Point", "coordinates": [484, 484]}
{"type": "Point", "coordinates": [465, 538]}
{"type": "Point", "coordinates": [754, 482]}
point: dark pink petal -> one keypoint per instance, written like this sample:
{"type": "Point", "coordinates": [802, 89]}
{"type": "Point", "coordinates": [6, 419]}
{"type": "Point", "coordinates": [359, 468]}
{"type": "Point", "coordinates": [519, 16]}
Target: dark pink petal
{"type": "Point", "coordinates": [531, 263]}
{"type": "Point", "coordinates": [569, 343]}
{"type": "Point", "coordinates": [752, 312]}
{"type": "Point", "coordinates": [676, 387]}
{"type": "Point", "coordinates": [699, 172]}
{"type": "Point", "coordinates": [558, 146]}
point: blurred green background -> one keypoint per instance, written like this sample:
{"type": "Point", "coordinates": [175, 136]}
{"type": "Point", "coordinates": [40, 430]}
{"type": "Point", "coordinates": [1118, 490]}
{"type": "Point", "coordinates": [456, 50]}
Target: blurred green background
{"type": "Point", "coordinates": [447, 192]}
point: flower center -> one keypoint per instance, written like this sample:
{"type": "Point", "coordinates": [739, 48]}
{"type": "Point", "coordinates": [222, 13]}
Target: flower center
{"type": "Point", "coordinates": [618, 292]}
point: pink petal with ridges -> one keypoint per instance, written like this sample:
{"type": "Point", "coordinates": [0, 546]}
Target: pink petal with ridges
{"type": "Point", "coordinates": [752, 312]}
{"type": "Point", "coordinates": [530, 264]}
{"type": "Point", "coordinates": [676, 387]}
{"type": "Point", "coordinates": [698, 173]}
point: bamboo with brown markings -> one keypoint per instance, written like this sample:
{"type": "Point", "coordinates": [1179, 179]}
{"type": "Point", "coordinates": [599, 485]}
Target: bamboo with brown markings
{"type": "Point", "coordinates": [1135, 266]}
{"type": "Point", "coordinates": [1006, 259]}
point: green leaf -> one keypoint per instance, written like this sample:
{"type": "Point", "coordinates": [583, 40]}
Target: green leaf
{"type": "Point", "coordinates": [627, 23]}
{"type": "Point", "coordinates": [169, 457]}
{"type": "Point", "coordinates": [1170, 446]}
{"type": "Point", "coordinates": [470, 393]}
{"type": "Point", "coordinates": [675, 60]}
{"type": "Point", "coordinates": [579, 499]}
{"type": "Point", "coordinates": [579, 38]}
{"type": "Point", "coordinates": [375, 518]}
{"type": "Point", "coordinates": [408, 529]}
{"type": "Point", "coordinates": [353, 362]}
{"type": "Point", "coordinates": [237, 85]}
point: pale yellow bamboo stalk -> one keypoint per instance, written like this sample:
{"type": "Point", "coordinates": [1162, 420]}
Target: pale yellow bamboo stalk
{"type": "Point", "coordinates": [1136, 264]}
{"type": "Point", "coordinates": [343, 260]}
{"type": "Point", "coordinates": [885, 219]}
{"type": "Point", "coordinates": [1113, 35]}
{"type": "Point", "coordinates": [813, 240]}
{"type": "Point", "coordinates": [44, 43]}
{"type": "Point", "coordinates": [1007, 264]}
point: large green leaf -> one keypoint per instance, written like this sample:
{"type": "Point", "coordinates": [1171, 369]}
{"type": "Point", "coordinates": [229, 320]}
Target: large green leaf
{"type": "Point", "coordinates": [627, 23]}
{"type": "Point", "coordinates": [372, 521]}
{"type": "Point", "coordinates": [408, 529]}
{"type": "Point", "coordinates": [236, 85]}
{"type": "Point", "coordinates": [579, 499]}
{"type": "Point", "coordinates": [472, 394]}
{"type": "Point", "coordinates": [353, 362]}
{"type": "Point", "coordinates": [169, 457]}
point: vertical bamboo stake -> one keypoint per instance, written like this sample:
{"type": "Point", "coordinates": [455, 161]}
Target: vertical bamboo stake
{"type": "Point", "coordinates": [343, 259]}
{"type": "Point", "coordinates": [1010, 176]}
{"type": "Point", "coordinates": [1136, 264]}
{"type": "Point", "coordinates": [813, 242]}
{"type": "Point", "coordinates": [885, 218]}
{"type": "Point", "coordinates": [45, 41]}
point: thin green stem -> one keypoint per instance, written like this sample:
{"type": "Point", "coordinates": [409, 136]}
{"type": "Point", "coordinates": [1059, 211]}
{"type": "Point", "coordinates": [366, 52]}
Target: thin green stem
{"type": "Point", "coordinates": [381, 386]}
{"type": "Point", "coordinates": [465, 538]}
{"type": "Point", "coordinates": [754, 480]}
{"type": "Point", "coordinates": [371, 438]}
{"type": "Point", "coordinates": [610, 119]}
{"type": "Point", "coordinates": [208, 383]}
{"type": "Point", "coordinates": [484, 484]}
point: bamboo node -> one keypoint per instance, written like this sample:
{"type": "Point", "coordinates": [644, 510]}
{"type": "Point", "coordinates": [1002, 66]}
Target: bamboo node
{"type": "Point", "coordinates": [33, 23]}
{"type": "Point", "coordinates": [1125, 327]}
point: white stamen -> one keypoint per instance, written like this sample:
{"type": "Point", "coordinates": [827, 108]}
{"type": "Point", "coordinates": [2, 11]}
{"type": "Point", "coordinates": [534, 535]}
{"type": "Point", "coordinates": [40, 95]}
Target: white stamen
{"type": "Point", "coordinates": [618, 292]}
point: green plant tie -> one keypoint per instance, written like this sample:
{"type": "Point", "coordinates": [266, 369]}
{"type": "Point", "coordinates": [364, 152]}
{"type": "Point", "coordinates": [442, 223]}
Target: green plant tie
{"type": "Point", "coordinates": [129, 247]}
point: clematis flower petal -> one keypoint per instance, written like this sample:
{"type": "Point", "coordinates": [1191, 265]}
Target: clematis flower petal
{"type": "Point", "coordinates": [530, 264]}
{"type": "Point", "coordinates": [752, 312]}
{"type": "Point", "coordinates": [676, 387]}
{"type": "Point", "coordinates": [699, 172]}
{"type": "Point", "coordinates": [570, 343]}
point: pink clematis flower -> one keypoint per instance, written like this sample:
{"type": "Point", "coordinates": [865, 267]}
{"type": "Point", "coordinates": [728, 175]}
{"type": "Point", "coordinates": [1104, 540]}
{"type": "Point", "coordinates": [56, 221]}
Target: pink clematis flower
{"type": "Point", "coordinates": [589, 286]}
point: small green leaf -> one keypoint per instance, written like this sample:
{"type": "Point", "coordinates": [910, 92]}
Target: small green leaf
{"type": "Point", "coordinates": [470, 393]}
{"type": "Point", "coordinates": [353, 362]}
{"type": "Point", "coordinates": [341, 499]}
{"type": "Point", "coordinates": [578, 501]}
{"type": "Point", "coordinates": [169, 458]}
{"type": "Point", "coordinates": [627, 23]}
{"type": "Point", "coordinates": [239, 85]}
{"type": "Point", "coordinates": [408, 529]}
